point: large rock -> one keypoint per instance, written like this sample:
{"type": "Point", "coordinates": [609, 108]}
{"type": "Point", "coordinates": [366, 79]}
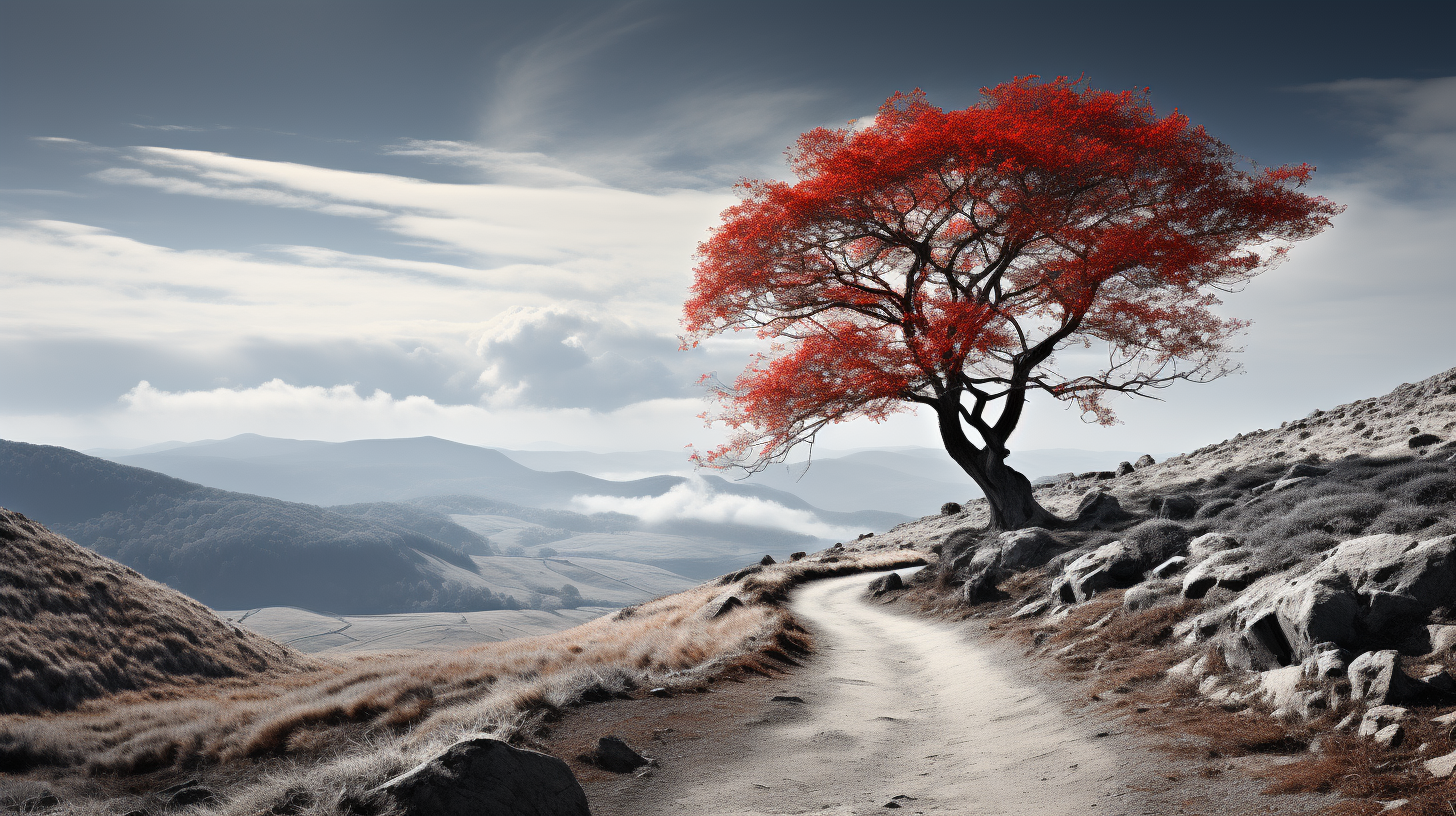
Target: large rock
{"type": "Point", "coordinates": [1030, 547]}
{"type": "Point", "coordinates": [1366, 594]}
{"type": "Point", "coordinates": [483, 776]}
{"type": "Point", "coordinates": [1111, 565]}
{"type": "Point", "coordinates": [1207, 544]}
{"type": "Point", "coordinates": [1177, 507]}
{"type": "Point", "coordinates": [1098, 510]}
{"type": "Point", "coordinates": [1376, 678]}
{"type": "Point", "coordinates": [1231, 569]}
{"type": "Point", "coordinates": [888, 582]}
{"type": "Point", "coordinates": [980, 562]}
{"type": "Point", "coordinates": [1120, 563]}
{"type": "Point", "coordinates": [1380, 717]}
{"type": "Point", "coordinates": [1442, 766]}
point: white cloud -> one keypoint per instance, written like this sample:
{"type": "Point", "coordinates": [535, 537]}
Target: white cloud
{"type": "Point", "coordinates": [610, 241]}
{"type": "Point", "coordinates": [343, 412]}
{"type": "Point", "coordinates": [696, 500]}
{"type": "Point", "coordinates": [250, 195]}
{"type": "Point", "coordinates": [561, 358]}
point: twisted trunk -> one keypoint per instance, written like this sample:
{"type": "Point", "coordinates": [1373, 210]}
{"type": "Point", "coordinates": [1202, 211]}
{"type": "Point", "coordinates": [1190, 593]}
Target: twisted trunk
{"type": "Point", "coordinates": [1008, 493]}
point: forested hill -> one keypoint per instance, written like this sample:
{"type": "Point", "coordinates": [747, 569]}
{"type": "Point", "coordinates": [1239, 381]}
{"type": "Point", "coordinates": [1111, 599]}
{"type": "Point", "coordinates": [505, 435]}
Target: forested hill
{"type": "Point", "coordinates": [234, 550]}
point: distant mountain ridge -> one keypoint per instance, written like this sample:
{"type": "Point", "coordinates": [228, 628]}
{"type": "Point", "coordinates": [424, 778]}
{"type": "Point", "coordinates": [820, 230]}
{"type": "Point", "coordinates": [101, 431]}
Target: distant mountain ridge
{"type": "Point", "coordinates": [392, 470]}
{"type": "Point", "coordinates": [233, 550]}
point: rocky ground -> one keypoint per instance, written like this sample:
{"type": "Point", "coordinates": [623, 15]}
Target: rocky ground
{"type": "Point", "coordinates": [1290, 592]}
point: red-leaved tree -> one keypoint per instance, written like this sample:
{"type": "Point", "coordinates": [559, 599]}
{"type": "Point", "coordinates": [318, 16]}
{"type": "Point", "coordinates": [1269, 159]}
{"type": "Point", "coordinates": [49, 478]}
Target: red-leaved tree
{"type": "Point", "coordinates": [943, 258]}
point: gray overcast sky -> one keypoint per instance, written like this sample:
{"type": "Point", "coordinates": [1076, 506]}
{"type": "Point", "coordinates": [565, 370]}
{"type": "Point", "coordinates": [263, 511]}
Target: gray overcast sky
{"type": "Point", "coordinates": [476, 220]}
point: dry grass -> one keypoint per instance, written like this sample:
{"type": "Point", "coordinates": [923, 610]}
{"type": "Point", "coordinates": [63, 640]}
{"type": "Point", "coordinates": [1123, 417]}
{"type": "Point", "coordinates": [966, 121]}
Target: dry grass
{"type": "Point", "coordinates": [76, 626]}
{"type": "Point", "coordinates": [349, 725]}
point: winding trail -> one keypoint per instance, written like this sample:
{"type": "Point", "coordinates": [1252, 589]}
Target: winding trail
{"type": "Point", "coordinates": [894, 705]}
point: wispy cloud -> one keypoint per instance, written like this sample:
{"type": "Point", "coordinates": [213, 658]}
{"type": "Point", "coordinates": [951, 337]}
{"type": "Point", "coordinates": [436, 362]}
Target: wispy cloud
{"type": "Point", "coordinates": [1414, 124]}
{"type": "Point", "coordinates": [73, 144]}
{"type": "Point", "coordinates": [528, 169]}
{"type": "Point", "coordinates": [183, 128]}
{"type": "Point", "coordinates": [235, 191]}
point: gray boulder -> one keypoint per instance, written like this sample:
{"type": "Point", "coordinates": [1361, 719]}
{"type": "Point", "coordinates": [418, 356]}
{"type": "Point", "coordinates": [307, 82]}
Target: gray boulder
{"type": "Point", "coordinates": [1149, 594]}
{"type": "Point", "coordinates": [1442, 766]}
{"type": "Point", "coordinates": [1209, 543]}
{"type": "Point", "coordinates": [1123, 468]}
{"type": "Point", "coordinates": [1177, 507]}
{"type": "Point", "coordinates": [1391, 736]}
{"type": "Point", "coordinates": [483, 776]}
{"type": "Point", "coordinates": [1111, 565]}
{"type": "Point", "coordinates": [1121, 563]}
{"type": "Point", "coordinates": [615, 755]}
{"type": "Point", "coordinates": [886, 583]}
{"type": "Point", "coordinates": [1378, 718]}
{"type": "Point", "coordinates": [980, 563]}
{"type": "Point", "coordinates": [1365, 593]}
{"type": "Point", "coordinates": [1030, 547]}
{"type": "Point", "coordinates": [1144, 461]}
{"type": "Point", "coordinates": [1376, 678]}
{"type": "Point", "coordinates": [1231, 569]}
{"type": "Point", "coordinates": [1329, 662]}
{"type": "Point", "coordinates": [1098, 510]}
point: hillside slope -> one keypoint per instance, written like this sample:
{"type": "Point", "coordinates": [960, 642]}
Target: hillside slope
{"type": "Point", "coordinates": [1290, 590]}
{"type": "Point", "coordinates": [75, 625]}
{"type": "Point", "coordinates": [232, 550]}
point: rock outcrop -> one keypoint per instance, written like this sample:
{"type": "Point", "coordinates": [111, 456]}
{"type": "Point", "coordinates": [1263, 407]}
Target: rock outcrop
{"type": "Point", "coordinates": [483, 776]}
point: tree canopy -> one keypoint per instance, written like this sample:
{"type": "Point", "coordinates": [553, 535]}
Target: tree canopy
{"type": "Point", "coordinates": [944, 258]}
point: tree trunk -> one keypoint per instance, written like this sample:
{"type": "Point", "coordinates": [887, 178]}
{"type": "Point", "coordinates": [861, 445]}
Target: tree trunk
{"type": "Point", "coordinates": [1008, 493]}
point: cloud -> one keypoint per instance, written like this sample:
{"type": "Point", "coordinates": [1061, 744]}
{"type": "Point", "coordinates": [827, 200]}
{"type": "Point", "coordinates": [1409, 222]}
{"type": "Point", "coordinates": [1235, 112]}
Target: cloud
{"type": "Point", "coordinates": [557, 358]}
{"type": "Point", "coordinates": [610, 240]}
{"type": "Point", "coordinates": [147, 413]}
{"type": "Point", "coordinates": [1414, 124]}
{"type": "Point", "coordinates": [250, 195]}
{"type": "Point", "coordinates": [529, 169]}
{"type": "Point", "coordinates": [71, 374]}
{"type": "Point", "coordinates": [696, 500]}
{"type": "Point", "coordinates": [185, 128]}
{"type": "Point", "coordinates": [74, 144]}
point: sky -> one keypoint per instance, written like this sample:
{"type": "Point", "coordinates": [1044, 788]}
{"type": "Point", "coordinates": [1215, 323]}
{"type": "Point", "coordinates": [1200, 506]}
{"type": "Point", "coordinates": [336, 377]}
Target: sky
{"type": "Point", "coordinates": [476, 220]}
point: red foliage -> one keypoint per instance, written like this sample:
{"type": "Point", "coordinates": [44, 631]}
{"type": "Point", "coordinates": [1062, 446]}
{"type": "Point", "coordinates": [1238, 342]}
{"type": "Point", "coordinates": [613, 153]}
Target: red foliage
{"type": "Point", "coordinates": [935, 255]}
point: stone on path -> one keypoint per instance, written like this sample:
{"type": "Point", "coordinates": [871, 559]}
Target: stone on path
{"type": "Point", "coordinates": [484, 776]}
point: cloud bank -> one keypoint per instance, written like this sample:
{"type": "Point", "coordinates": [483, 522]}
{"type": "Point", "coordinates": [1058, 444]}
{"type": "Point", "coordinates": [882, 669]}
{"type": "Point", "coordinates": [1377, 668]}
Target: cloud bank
{"type": "Point", "coordinates": [696, 500]}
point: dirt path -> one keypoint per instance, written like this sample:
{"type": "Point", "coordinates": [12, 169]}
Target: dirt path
{"type": "Point", "coordinates": [894, 706]}
{"type": "Point", "coordinates": [898, 706]}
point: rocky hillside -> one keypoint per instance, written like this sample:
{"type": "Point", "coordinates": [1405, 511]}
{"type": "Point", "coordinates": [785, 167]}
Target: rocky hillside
{"type": "Point", "coordinates": [75, 625]}
{"type": "Point", "coordinates": [1301, 580]}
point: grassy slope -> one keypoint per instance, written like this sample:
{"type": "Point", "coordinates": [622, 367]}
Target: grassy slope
{"type": "Point", "coordinates": [75, 626]}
